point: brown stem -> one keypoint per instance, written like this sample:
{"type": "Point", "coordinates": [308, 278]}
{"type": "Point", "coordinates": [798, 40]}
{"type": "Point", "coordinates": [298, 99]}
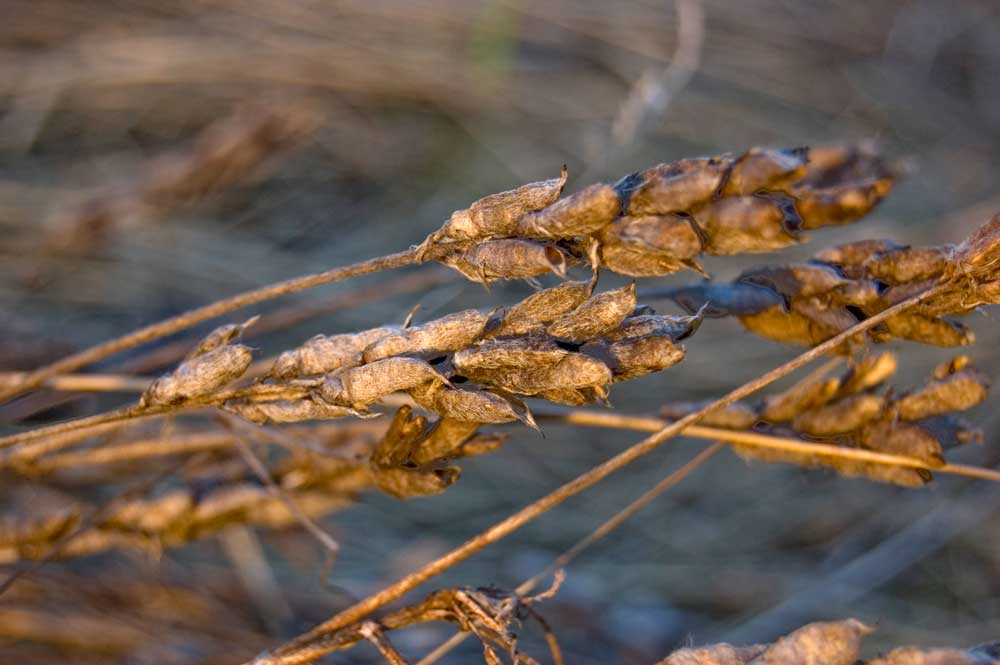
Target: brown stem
{"type": "Point", "coordinates": [193, 317]}
{"type": "Point", "coordinates": [309, 646]}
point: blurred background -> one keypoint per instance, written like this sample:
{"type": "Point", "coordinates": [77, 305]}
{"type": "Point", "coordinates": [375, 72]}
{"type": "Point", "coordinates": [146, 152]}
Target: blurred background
{"type": "Point", "coordinates": [157, 156]}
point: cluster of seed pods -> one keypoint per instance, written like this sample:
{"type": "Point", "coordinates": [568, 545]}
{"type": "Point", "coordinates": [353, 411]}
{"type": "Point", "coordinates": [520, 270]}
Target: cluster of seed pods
{"type": "Point", "coordinates": [853, 410]}
{"type": "Point", "coordinates": [658, 221]}
{"type": "Point", "coordinates": [810, 302]}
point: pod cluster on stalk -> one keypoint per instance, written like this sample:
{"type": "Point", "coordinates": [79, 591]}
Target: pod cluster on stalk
{"type": "Point", "coordinates": [810, 302]}
{"type": "Point", "coordinates": [658, 221]}
{"type": "Point", "coordinates": [856, 410]}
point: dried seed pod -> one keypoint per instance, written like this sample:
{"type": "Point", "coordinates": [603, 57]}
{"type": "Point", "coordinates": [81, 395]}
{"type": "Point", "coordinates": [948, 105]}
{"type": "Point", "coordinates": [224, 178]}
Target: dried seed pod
{"type": "Point", "coordinates": [359, 387]}
{"type": "Point", "coordinates": [442, 440]}
{"type": "Point", "coordinates": [650, 245]}
{"type": "Point", "coordinates": [915, 656]}
{"type": "Point", "coordinates": [640, 325]}
{"type": "Point", "coordinates": [820, 643]}
{"type": "Point", "coordinates": [808, 322]}
{"type": "Point", "coordinates": [573, 396]}
{"type": "Point", "coordinates": [845, 415]}
{"type": "Point", "coordinates": [578, 214]}
{"type": "Point", "coordinates": [929, 330]}
{"type": "Point", "coordinates": [803, 280]}
{"type": "Point", "coordinates": [199, 376]}
{"type": "Point", "coordinates": [870, 371]}
{"type": "Point", "coordinates": [477, 406]}
{"type": "Point", "coordinates": [672, 187]}
{"type": "Point", "coordinates": [762, 168]}
{"type": "Point", "coordinates": [532, 313]}
{"type": "Point", "coordinates": [851, 257]}
{"type": "Point", "coordinates": [637, 356]}
{"type": "Point", "coordinates": [979, 254]}
{"type": "Point", "coordinates": [572, 370]}
{"type": "Point", "coordinates": [392, 469]}
{"type": "Point", "coordinates": [499, 355]}
{"type": "Point", "coordinates": [903, 438]}
{"type": "Point", "coordinates": [959, 391]}
{"type": "Point", "coordinates": [807, 394]}
{"type": "Point", "coordinates": [749, 224]}
{"type": "Point", "coordinates": [841, 204]}
{"type": "Point", "coordinates": [716, 300]}
{"type": "Point", "coordinates": [737, 416]}
{"type": "Point", "coordinates": [324, 354]}
{"type": "Point", "coordinates": [895, 475]}
{"type": "Point", "coordinates": [289, 411]}
{"type": "Point", "coordinates": [595, 316]}
{"type": "Point", "coordinates": [508, 258]}
{"type": "Point", "coordinates": [221, 336]}
{"type": "Point", "coordinates": [865, 294]}
{"type": "Point", "coordinates": [909, 264]}
{"type": "Point", "coordinates": [497, 215]}
{"type": "Point", "coordinates": [716, 654]}
{"type": "Point", "coordinates": [448, 333]}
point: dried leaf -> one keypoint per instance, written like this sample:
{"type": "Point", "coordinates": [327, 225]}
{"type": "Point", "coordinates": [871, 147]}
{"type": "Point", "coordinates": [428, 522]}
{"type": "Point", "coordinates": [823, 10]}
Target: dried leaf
{"type": "Point", "coordinates": [596, 316]}
{"type": "Point", "coordinates": [358, 387]}
{"type": "Point", "coordinates": [749, 224]}
{"type": "Point", "coordinates": [448, 333]}
{"type": "Point", "coordinates": [199, 376]}
{"type": "Point", "coordinates": [324, 354]}
{"type": "Point", "coordinates": [532, 313]}
{"type": "Point", "coordinates": [579, 214]}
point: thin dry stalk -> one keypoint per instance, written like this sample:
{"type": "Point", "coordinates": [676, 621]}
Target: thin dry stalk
{"type": "Point", "coordinates": [305, 648]}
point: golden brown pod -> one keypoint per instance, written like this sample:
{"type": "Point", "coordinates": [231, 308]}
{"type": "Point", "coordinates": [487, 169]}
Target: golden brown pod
{"type": "Point", "coordinates": [578, 214]}
{"type": "Point", "coordinates": [820, 643]}
{"type": "Point", "coordinates": [841, 204]}
{"type": "Point", "coordinates": [508, 354]}
{"type": "Point", "coordinates": [809, 322]}
{"type": "Point", "coordinates": [325, 353]}
{"type": "Point", "coordinates": [797, 280]}
{"type": "Point", "coordinates": [909, 264]}
{"type": "Point", "coordinates": [596, 316]}
{"type": "Point", "coordinates": [748, 224]}
{"type": "Point", "coordinates": [221, 336]}
{"type": "Point", "coordinates": [537, 310]}
{"type": "Point", "coordinates": [508, 258]}
{"type": "Point", "coordinates": [637, 356]}
{"type": "Point", "coordinates": [959, 391]}
{"type": "Point", "coordinates": [929, 330]}
{"type": "Point", "coordinates": [845, 415]}
{"type": "Point", "coordinates": [649, 245]}
{"type": "Point", "coordinates": [358, 387]}
{"type": "Point", "coordinates": [762, 168]}
{"type": "Point", "coordinates": [391, 467]}
{"type": "Point", "coordinates": [902, 438]}
{"type": "Point", "coordinates": [640, 325]}
{"type": "Point", "coordinates": [448, 333]}
{"type": "Point", "coordinates": [201, 375]}
{"type": "Point", "coordinates": [738, 416]}
{"type": "Point", "coordinates": [673, 187]}
{"type": "Point", "coordinates": [868, 372]}
{"type": "Point", "coordinates": [446, 438]}
{"type": "Point", "coordinates": [478, 406]}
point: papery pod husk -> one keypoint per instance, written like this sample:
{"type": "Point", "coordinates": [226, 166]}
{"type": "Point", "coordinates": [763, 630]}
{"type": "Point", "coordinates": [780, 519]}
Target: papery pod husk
{"type": "Point", "coordinates": [929, 330]}
{"type": "Point", "coordinates": [508, 354]}
{"type": "Point", "coordinates": [448, 333]}
{"type": "Point", "coordinates": [574, 370]}
{"type": "Point", "coordinates": [359, 387]}
{"type": "Point", "coordinates": [715, 654]}
{"type": "Point", "coordinates": [910, 264]}
{"type": "Point", "coordinates": [903, 438]}
{"type": "Point", "coordinates": [804, 395]}
{"type": "Point", "coordinates": [749, 224]}
{"type": "Point", "coordinates": [956, 392]}
{"type": "Point", "coordinates": [325, 353]}
{"type": "Point", "coordinates": [578, 214]}
{"type": "Point", "coordinates": [497, 215]}
{"type": "Point", "coordinates": [537, 310]}
{"type": "Point", "coordinates": [637, 356]}
{"type": "Point", "coordinates": [868, 372]}
{"type": "Point", "coordinates": [391, 466]}
{"type": "Point", "coordinates": [979, 254]}
{"type": "Point", "coordinates": [736, 416]}
{"type": "Point", "coordinates": [809, 322]}
{"type": "Point", "coordinates": [289, 411]}
{"type": "Point", "coordinates": [803, 280]}
{"type": "Point", "coordinates": [820, 643]}
{"type": "Point", "coordinates": [842, 204]}
{"type": "Point", "coordinates": [715, 300]}
{"type": "Point", "coordinates": [650, 245]}
{"type": "Point", "coordinates": [672, 187]}
{"type": "Point", "coordinates": [764, 168]}
{"type": "Point", "coordinates": [640, 325]}
{"type": "Point", "coordinates": [851, 257]}
{"type": "Point", "coordinates": [221, 336]}
{"type": "Point", "coordinates": [596, 316]}
{"type": "Point", "coordinates": [509, 258]}
{"type": "Point", "coordinates": [478, 406]}
{"type": "Point", "coordinates": [845, 415]}
{"type": "Point", "coordinates": [443, 439]}
{"type": "Point", "coordinates": [573, 396]}
{"type": "Point", "coordinates": [200, 376]}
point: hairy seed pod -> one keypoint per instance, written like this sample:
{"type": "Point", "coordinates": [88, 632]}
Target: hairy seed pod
{"type": "Point", "coordinates": [715, 654]}
{"type": "Point", "coordinates": [870, 371]}
{"type": "Point", "coordinates": [748, 224]}
{"type": "Point", "coordinates": [820, 643]}
{"type": "Point", "coordinates": [845, 415]}
{"type": "Point", "coordinates": [716, 300]}
{"type": "Point", "coordinates": [572, 370]}
{"type": "Point", "coordinates": [737, 416]}
{"type": "Point", "coordinates": [895, 475]}
{"type": "Point", "coordinates": [957, 392]}
{"type": "Point", "coordinates": [497, 215]}
{"type": "Point", "coordinates": [851, 257]}
{"type": "Point", "coordinates": [443, 439]}
{"type": "Point", "coordinates": [478, 406]}
{"type": "Point", "coordinates": [637, 356]}
{"type": "Point", "coordinates": [808, 394]}
{"type": "Point", "coordinates": [763, 168]}
{"type": "Point", "coordinates": [289, 411]}
{"type": "Point", "coordinates": [595, 316]}
{"type": "Point", "coordinates": [326, 353]}
{"type": "Point", "coordinates": [391, 467]}
{"type": "Point", "coordinates": [572, 396]}
{"type": "Point", "coordinates": [578, 214]}
{"type": "Point", "coordinates": [802, 280]}
{"type": "Point", "coordinates": [909, 264]}
{"type": "Point", "coordinates": [448, 333]}
{"type": "Point", "coordinates": [673, 187]}
{"type": "Point", "coordinates": [534, 312]}
{"type": "Point", "coordinates": [903, 438]}
{"type": "Point", "coordinates": [979, 254]}
{"type": "Point", "coordinates": [839, 205]}
{"type": "Point", "coordinates": [640, 325]}
{"type": "Point", "coordinates": [915, 656]}
{"type": "Point", "coordinates": [221, 336]}
{"type": "Point", "coordinates": [809, 322]}
{"type": "Point", "coordinates": [650, 245]}
{"type": "Point", "coordinates": [199, 376]}
{"type": "Point", "coordinates": [864, 294]}
{"type": "Point", "coordinates": [359, 387]}
{"type": "Point", "coordinates": [508, 258]}
{"type": "Point", "coordinates": [508, 354]}
{"type": "Point", "coordinates": [929, 330]}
